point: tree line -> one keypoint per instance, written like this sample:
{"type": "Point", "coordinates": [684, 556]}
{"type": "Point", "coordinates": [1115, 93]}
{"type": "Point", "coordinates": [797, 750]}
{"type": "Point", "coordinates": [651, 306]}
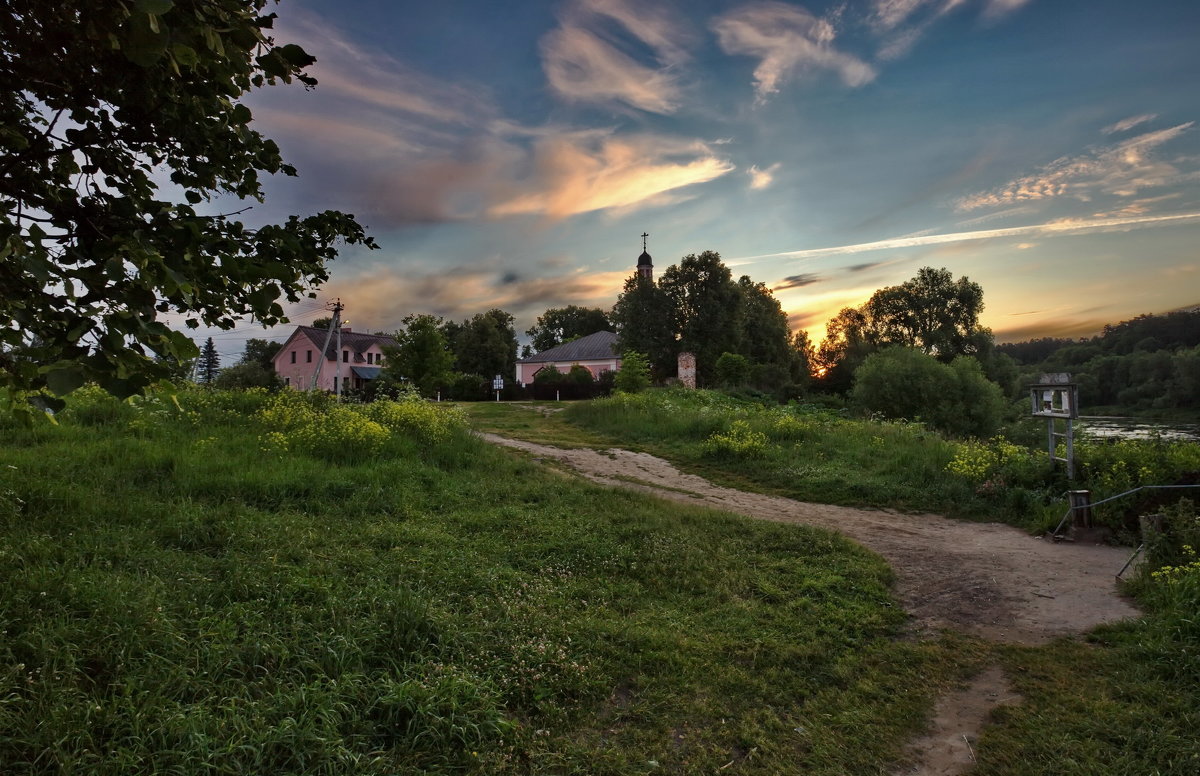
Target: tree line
{"type": "Point", "coordinates": [696, 306]}
{"type": "Point", "coordinates": [1146, 364]}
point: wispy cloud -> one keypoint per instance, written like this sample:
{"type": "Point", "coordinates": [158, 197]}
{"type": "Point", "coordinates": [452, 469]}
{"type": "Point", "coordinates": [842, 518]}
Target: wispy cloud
{"type": "Point", "coordinates": [383, 296]}
{"type": "Point", "coordinates": [894, 22]}
{"type": "Point", "coordinates": [786, 39]}
{"type": "Point", "coordinates": [797, 281]}
{"type": "Point", "coordinates": [761, 179]}
{"type": "Point", "coordinates": [1124, 125]}
{"type": "Point", "coordinates": [373, 80]}
{"type": "Point", "coordinates": [1122, 169]}
{"type": "Point", "coordinates": [582, 67]}
{"type": "Point", "coordinates": [583, 62]}
{"type": "Point", "coordinates": [400, 147]}
{"type": "Point", "coordinates": [616, 172]}
{"type": "Point", "coordinates": [1050, 229]}
{"type": "Point", "coordinates": [997, 8]}
{"type": "Point", "coordinates": [901, 23]}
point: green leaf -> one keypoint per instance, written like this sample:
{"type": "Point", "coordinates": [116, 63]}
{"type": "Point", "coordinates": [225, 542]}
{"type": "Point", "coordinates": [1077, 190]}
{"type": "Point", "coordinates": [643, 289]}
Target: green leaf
{"type": "Point", "coordinates": [156, 7]}
{"type": "Point", "coordinates": [145, 42]}
{"type": "Point", "coordinates": [185, 55]}
{"type": "Point", "coordinates": [63, 381]}
{"type": "Point", "coordinates": [296, 56]}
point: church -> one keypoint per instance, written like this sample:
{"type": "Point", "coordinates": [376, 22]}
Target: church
{"type": "Point", "coordinates": [597, 352]}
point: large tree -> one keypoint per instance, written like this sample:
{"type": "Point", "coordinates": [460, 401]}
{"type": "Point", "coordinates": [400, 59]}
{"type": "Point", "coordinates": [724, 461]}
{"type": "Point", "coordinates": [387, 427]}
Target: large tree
{"type": "Point", "coordinates": [932, 312]}
{"type": "Point", "coordinates": [256, 369]}
{"type": "Point", "coordinates": [422, 354]}
{"type": "Point", "coordinates": [707, 306]}
{"type": "Point", "coordinates": [563, 324]}
{"type": "Point", "coordinates": [100, 104]}
{"type": "Point", "coordinates": [208, 365]}
{"type": "Point", "coordinates": [484, 345]}
{"type": "Point", "coordinates": [645, 324]}
{"type": "Point", "coordinates": [765, 337]}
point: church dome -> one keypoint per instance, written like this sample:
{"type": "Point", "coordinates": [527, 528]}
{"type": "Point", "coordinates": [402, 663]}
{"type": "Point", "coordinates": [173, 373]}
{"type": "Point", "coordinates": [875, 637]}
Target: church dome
{"type": "Point", "coordinates": [644, 260]}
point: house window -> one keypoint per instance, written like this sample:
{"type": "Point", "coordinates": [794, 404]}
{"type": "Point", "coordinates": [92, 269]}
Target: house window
{"type": "Point", "coordinates": [370, 358]}
{"type": "Point", "coordinates": [293, 356]}
{"type": "Point", "coordinates": [345, 356]}
{"type": "Point", "coordinates": [308, 359]}
{"type": "Point", "coordinates": [287, 381]}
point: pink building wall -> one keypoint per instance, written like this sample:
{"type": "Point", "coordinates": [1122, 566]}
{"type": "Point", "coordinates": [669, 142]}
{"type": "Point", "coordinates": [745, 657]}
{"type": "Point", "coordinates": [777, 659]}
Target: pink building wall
{"type": "Point", "coordinates": [525, 372]}
{"type": "Point", "coordinates": [298, 358]}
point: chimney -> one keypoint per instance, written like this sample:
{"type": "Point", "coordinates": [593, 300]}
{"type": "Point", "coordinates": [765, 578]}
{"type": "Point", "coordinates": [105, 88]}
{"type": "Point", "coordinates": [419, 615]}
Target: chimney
{"type": "Point", "coordinates": [346, 330]}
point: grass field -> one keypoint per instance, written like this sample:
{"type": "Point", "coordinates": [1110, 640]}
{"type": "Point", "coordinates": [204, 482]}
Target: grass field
{"type": "Point", "coordinates": [1088, 703]}
{"type": "Point", "coordinates": [235, 587]}
{"type": "Point", "coordinates": [196, 592]}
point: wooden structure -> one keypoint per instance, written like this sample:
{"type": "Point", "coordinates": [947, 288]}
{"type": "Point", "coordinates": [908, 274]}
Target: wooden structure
{"type": "Point", "coordinates": [1054, 397]}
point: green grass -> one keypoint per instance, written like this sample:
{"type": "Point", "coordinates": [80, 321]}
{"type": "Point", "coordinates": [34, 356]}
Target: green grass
{"type": "Point", "coordinates": [185, 595]}
{"type": "Point", "coordinates": [805, 453]}
{"type": "Point", "coordinates": [543, 422]}
{"type": "Point", "coordinates": [1124, 700]}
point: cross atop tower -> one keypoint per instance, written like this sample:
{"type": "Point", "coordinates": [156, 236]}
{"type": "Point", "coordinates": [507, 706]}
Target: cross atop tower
{"type": "Point", "coordinates": [644, 236]}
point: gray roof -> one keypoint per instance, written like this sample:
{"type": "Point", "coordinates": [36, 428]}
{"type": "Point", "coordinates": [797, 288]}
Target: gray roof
{"type": "Point", "coordinates": [367, 372]}
{"type": "Point", "coordinates": [356, 342]}
{"type": "Point", "coordinates": [594, 347]}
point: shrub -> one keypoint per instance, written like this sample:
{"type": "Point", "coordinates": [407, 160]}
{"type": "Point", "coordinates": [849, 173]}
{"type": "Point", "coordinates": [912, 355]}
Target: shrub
{"type": "Point", "coordinates": [906, 383]}
{"type": "Point", "coordinates": [548, 375]}
{"type": "Point", "coordinates": [732, 370]}
{"type": "Point", "coordinates": [467, 387]}
{"type": "Point", "coordinates": [635, 373]}
{"type": "Point", "coordinates": [740, 441]}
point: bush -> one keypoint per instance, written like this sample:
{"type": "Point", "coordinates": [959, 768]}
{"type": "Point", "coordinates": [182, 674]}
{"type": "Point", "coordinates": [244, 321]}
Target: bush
{"type": "Point", "coordinates": [906, 383]}
{"type": "Point", "coordinates": [248, 374]}
{"type": "Point", "coordinates": [467, 387]}
{"type": "Point", "coordinates": [741, 441]}
{"type": "Point", "coordinates": [635, 373]}
{"type": "Point", "coordinates": [732, 370]}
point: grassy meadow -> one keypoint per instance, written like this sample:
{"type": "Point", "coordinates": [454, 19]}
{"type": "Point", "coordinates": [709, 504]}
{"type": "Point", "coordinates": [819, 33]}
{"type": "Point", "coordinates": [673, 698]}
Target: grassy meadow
{"type": "Point", "coordinates": [244, 583]}
{"type": "Point", "coordinates": [233, 587]}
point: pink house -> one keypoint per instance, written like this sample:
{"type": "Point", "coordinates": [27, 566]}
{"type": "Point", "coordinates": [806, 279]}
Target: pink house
{"type": "Point", "coordinates": [357, 361]}
{"type": "Point", "coordinates": [597, 352]}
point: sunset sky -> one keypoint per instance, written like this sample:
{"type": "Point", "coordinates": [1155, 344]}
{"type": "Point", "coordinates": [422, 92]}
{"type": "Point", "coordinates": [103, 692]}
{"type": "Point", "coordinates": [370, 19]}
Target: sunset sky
{"type": "Point", "coordinates": [510, 154]}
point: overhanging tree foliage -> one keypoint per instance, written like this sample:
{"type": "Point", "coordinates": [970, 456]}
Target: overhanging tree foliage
{"type": "Point", "coordinates": [99, 103]}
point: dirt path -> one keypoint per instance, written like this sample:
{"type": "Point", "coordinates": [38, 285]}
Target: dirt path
{"type": "Point", "coordinates": [987, 579]}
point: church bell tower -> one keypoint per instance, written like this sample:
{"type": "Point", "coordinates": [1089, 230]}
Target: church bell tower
{"type": "Point", "coordinates": [645, 267]}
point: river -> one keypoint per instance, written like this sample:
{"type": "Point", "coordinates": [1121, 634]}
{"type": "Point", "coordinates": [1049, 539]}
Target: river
{"type": "Point", "coordinates": [1109, 427]}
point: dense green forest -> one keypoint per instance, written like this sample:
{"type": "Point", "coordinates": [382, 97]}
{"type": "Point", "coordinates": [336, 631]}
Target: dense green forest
{"type": "Point", "coordinates": [1147, 365]}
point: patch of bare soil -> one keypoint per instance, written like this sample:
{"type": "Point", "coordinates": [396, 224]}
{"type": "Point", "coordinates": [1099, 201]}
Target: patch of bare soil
{"type": "Point", "coordinates": [986, 579]}
{"type": "Point", "coordinates": [948, 749]}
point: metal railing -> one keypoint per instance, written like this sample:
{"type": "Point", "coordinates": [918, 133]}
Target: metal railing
{"type": "Point", "coordinates": [1055, 533]}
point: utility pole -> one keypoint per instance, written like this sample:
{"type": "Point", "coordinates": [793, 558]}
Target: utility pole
{"type": "Point", "coordinates": [336, 323]}
{"type": "Point", "coordinates": [337, 354]}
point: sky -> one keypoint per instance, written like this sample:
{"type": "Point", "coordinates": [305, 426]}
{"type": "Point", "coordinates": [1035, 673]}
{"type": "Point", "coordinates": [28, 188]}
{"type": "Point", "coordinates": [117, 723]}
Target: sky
{"type": "Point", "coordinates": [511, 154]}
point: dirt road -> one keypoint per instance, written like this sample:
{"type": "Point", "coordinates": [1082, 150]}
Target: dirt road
{"type": "Point", "coordinates": [987, 579]}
